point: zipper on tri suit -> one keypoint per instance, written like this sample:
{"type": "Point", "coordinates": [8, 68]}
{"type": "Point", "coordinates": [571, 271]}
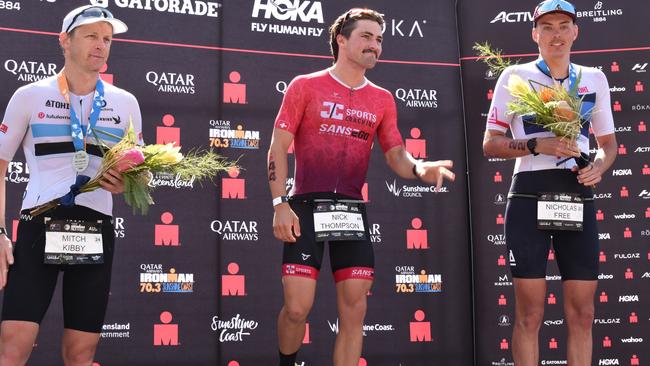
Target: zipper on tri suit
{"type": "Point", "coordinates": [345, 146]}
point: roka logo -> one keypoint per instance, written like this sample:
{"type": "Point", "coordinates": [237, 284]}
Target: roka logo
{"type": "Point", "coordinates": [293, 10]}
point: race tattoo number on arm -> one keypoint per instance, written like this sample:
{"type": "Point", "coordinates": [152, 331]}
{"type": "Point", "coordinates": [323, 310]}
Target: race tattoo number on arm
{"type": "Point", "coordinates": [517, 145]}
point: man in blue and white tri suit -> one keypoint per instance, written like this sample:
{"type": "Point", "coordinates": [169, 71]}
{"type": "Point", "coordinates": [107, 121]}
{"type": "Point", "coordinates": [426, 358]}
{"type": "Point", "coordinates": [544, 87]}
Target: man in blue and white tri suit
{"type": "Point", "coordinates": [544, 163]}
{"type": "Point", "coordinates": [57, 122]}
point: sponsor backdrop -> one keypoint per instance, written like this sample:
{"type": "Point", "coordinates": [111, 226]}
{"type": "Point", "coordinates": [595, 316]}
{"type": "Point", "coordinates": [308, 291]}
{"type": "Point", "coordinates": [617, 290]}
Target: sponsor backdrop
{"type": "Point", "coordinates": [623, 197]}
{"type": "Point", "coordinates": [197, 282]}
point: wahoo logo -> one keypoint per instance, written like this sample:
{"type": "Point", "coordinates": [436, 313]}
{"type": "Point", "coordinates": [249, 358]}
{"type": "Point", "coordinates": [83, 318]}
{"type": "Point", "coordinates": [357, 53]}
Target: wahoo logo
{"type": "Point", "coordinates": [624, 216]}
{"type": "Point", "coordinates": [631, 340]}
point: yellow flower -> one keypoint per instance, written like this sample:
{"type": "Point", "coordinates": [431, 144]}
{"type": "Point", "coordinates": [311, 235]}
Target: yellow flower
{"type": "Point", "coordinates": [517, 86]}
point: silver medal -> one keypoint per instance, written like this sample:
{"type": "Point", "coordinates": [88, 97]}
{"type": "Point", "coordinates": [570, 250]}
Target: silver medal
{"type": "Point", "coordinates": [80, 161]}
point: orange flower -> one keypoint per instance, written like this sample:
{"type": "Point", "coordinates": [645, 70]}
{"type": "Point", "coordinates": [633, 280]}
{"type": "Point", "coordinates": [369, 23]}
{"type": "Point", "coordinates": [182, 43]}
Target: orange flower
{"type": "Point", "coordinates": [563, 111]}
{"type": "Point", "coordinates": [547, 94]}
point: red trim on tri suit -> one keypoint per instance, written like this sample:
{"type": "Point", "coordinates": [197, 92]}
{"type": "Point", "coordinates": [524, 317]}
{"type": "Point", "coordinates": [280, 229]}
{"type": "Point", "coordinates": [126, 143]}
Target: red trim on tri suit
{"type": "Point", "coordinates": [299, 270]}
{"type": "Point", "coordinates": [364, 273]}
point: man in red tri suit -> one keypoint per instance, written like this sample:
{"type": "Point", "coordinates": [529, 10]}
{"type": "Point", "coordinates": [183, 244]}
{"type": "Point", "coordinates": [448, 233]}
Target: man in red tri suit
{"type": "Point", "coordinates": [332, 116]}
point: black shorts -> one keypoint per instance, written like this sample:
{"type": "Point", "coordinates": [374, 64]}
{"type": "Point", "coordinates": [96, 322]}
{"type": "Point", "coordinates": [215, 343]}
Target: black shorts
{"type": "Point", "coordinates": [576, 252]}
{"type": "Point", "coordinates": [31, 282]}
{"type": "Point", "coordinates": [348, 258]}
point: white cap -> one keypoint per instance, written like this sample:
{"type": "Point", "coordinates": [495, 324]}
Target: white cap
{"type": "Point", "coordinates": [89, 14]}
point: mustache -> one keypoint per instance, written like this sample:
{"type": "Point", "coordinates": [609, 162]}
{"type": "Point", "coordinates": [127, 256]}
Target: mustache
{"type": "Point", "coordinates": [371, 51]}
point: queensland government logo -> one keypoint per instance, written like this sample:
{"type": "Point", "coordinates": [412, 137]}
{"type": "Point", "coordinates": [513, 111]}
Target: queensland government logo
{"type": "Point", "coordinates": [116, 330]}
{"type": "Point", "coordinates": [163, 179]}
{"type": "Point", "coordinates": [17, 172]}
{"type": "Point", "coordinates": [222, 135]}
{"type": "Point", "coordinates": [154, 279]}
{"type": "Point", "coordinates": [407, 280]}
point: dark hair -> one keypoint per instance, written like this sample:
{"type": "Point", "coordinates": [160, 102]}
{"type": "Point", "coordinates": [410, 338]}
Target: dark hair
{"type": "Point", "coordinates": [345, 24]}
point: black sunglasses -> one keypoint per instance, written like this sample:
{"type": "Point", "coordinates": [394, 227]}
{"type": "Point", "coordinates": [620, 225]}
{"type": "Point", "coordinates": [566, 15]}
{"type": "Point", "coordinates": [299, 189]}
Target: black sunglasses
{"type": "Point", "coordinates": [94, 12]}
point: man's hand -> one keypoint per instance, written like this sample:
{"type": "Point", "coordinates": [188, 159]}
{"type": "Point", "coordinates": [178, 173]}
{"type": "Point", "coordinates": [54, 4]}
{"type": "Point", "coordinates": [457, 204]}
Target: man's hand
{"type": "Point", "coordinates": [112, 181]}
{"type": "Point", "coordinates": [6, 259]}
{"type": "Point", "coordinates": [286, 226]}
{"type": "Point", "coordinates": [556, 146]}
{"type": "Point", "coordinates": [435, 172]}
{"type": "Point", "coordinates": [589, 175]}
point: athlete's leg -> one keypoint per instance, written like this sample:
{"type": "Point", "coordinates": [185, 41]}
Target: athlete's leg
{"type": "Point", "coordinates": [351, 299]}
{"type": "Point", "coordinates": [17, 339]}
{"type": "Point", "coordinates": [78, 348]}
{"type": "Point", "coordinates": [579, 312]}
{"type": "Point", "coordinates": [299, 295]}
{"type": "Point", "coordinates": [530, 294]}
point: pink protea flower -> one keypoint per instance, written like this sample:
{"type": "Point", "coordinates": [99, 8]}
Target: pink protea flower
{"type": "Point", "coordinates": [129, 159]}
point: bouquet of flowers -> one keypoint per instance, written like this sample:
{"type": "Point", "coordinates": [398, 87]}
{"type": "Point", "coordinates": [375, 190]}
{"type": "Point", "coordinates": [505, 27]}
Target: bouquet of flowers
{"type": "Point", "coordinates": [554, 108]}
{"type": "Point", "coordinates": [137, 163]}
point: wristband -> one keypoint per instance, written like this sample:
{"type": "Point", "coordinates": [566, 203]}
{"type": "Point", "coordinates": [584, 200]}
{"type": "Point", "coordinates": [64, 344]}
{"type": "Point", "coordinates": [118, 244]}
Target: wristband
{"type": "Point", "coordinates": [415, 170]}
{"type": "Point", "coordinates": [280, 200]}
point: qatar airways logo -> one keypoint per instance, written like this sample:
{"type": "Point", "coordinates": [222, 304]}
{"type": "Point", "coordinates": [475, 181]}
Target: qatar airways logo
{"type": "Point", "coordinates": [171, 82]}
{"type": "Point", "coordinates": [29, 71]}
{"type": "Point", "coordinates": [187, 7]}
{"type": "Point", "coordinates": [235, 230]}
{"type": "Point", "coordinates": [497, 239]}
{"type": "Point", "coordinates": [418, 98]}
